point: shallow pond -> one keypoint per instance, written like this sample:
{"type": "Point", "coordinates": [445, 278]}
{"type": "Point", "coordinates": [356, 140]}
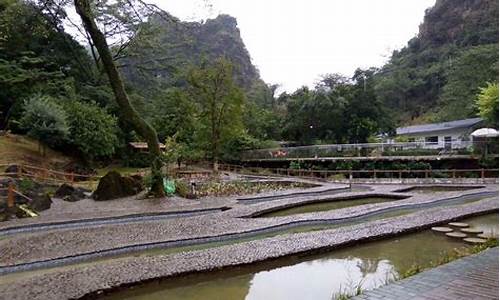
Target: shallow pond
{"type": "Point", "coordinates": [313, 277]}
{"type": "Point", "coordinates": [437, 188]}
{"type": "Point", "coordinates": [327, 205]}
{"type": "Point", "coordinates": [257, 199]}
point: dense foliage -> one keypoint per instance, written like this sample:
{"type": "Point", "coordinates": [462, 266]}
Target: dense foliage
{"type": "Point", "coordinates": [45, 120]}
{"type": "Point", "coordinates": [92, 130]}
{"type": "Point", "coordinates": [339, 109]}
{"type": "Point", "coordinates": [220, 104]}
{"type": "Point", "coordinates": [195, 84]}
{"type": "Point", "coordinates": [487, 102]}
{"type": "Point", "coordinates": [437, 75]}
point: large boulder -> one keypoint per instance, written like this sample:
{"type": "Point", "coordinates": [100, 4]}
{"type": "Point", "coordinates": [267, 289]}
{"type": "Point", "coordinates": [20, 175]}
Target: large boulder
{"type": "Point", "coordinates": [40, 202]}
{"type": "Point", "coordinates": [113, 186]}
{"type": "Point", "coordinates": [69, 193]}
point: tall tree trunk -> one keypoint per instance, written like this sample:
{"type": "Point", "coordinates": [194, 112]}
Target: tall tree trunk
{"type": "Point", "coordinates": [130, 115]}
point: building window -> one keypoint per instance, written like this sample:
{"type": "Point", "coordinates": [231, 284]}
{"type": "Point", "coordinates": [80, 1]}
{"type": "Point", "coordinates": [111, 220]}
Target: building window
{"type": "Point", "coordinates": [431, 140]}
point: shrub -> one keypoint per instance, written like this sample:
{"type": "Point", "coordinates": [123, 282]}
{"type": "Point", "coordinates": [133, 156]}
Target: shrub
{"type": "Point", "coordinates": [92, 130]}
{"type": "Point", "coordinates": [25, 185]}
{"type": "Point", "coordinates": [182, 189]}
{"type": "Point", "coordinates": [45, 120]}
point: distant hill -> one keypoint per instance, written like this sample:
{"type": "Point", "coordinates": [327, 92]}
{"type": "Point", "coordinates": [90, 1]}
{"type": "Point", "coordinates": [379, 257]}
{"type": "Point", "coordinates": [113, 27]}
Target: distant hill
{"type": "Point", "coordinates": [437, 75]}
{"type": "Point", "coordinates": [175, 45]}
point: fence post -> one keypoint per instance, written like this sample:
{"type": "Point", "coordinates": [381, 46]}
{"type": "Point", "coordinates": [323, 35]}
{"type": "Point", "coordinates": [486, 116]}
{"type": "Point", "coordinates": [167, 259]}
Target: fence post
{"type": "Point", "coordinates": [453, 174]}
{"type": "Point", "coordinates": [10, 196]}
{"type": "Point", "coordinates": [482, 174]}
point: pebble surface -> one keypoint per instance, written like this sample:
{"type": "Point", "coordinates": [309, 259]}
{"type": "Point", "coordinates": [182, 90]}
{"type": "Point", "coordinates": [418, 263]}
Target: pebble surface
{"type": "Point", "coordinates": [78, 281]}
{"type": "Point", "coordinates": [55, 244]}
{"type": "Point", "coordinates": [88, 281]}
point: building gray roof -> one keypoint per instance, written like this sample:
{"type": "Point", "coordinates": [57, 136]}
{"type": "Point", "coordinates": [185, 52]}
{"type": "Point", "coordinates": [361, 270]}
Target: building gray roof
{"type": "Point", "coordinates": [466, 123]}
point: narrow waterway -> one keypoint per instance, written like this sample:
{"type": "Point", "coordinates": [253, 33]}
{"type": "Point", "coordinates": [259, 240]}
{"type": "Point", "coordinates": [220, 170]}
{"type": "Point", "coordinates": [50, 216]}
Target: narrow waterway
{"type": "Point", "coordinates": [257, 199]}
{"type": "Point", "coordinates": [314, 277]}
{"type": "Point", "coordinates": [437, 188]}
{"type": "Point", "coordinates": [328, 205]}
{"type": "Point", "coordinates": [164, 248]}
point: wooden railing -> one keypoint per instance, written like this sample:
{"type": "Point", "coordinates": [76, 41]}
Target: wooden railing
{"type": "Point", "coordinates": [366, 174]}
{"type": "Point", "coordinates": [44, 175]}
{"type": "Point", "coordinates": [10, 196]}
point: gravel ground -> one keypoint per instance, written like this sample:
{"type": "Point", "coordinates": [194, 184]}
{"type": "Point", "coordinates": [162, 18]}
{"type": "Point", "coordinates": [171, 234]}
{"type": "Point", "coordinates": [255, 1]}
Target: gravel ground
{"type": "Point", "coordinates": [62, 211]}
{"type": "Point", "coordinates": [76, 282]}
{"type": "Point", "coordinates": [54, 244]}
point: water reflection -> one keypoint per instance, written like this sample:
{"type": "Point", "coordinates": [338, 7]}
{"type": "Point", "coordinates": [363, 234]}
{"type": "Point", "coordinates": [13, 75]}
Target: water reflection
{"type": "Point", "coordinates": [314, 277]}
{"type": "Point", "coordinates": [319, 279]}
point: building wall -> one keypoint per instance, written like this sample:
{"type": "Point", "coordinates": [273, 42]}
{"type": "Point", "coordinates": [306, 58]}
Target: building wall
{"type": "Point", "coordinates": [459, 138]}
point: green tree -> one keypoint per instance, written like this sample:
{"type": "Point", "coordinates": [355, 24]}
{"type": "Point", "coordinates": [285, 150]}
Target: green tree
{"type": "Point", "coordinates": [91, 129]}
{"type": "Point", "coordinates": [172, 113]}
{"type": "Point", "coordinates": [466, 74]}
{"type": "Point", "coordinates": [36, 56]}
{"type": "Point", "coordinates": [220, 104]}
{"type": "Point", "coordinates": [45, 120]}
{"type": "Point", "coordinates": [487, 104]}
{"type": "Point", "coordinates": [365, 114]}
{"type": "Point", "coordinates": [144, 129]}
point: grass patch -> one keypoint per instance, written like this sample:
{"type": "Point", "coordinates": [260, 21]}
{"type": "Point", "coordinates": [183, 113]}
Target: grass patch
{"type": "Point", "coordinates": [124, 171]}
{"type": "Point", "coordinates": [23, 150]}
{"type": "Point", "coordinates": [450, 256]}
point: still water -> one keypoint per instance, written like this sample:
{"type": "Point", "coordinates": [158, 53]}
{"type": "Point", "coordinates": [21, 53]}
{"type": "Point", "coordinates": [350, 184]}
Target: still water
{"type": "Point", "coordinates": [313, 277]}
{"type": "Point", "coordinates": [437, 188]}
{"type": "Point", "coordinates": [327, 205]}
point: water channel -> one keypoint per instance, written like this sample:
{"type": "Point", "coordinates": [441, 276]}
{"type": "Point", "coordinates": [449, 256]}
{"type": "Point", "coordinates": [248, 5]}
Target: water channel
{"type": "Point", "coordinates": [314, 277]}
{"type": "Point", "coordinates": [326, 205]}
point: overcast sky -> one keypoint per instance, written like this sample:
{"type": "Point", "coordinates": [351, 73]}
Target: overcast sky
{"type": "Point", "coordinates": [293, 42]}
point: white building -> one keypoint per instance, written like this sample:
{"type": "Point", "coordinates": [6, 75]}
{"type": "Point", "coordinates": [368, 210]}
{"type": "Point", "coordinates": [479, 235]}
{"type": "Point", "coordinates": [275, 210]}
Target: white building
{"type": "Point", "coordinates": [446, 135]}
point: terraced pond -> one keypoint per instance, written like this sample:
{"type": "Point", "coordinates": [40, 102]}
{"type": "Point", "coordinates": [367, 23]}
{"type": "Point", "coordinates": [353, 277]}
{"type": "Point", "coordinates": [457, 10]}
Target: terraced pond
{"type": "Point", "coordinates": [437, 188]}
{"type": "Point", "coordinates": [165, 248]}
{"type": "Point", "coordinates": [257, 199]}
{"type": "Point", "coordinates": [314, 277]}
{"type": "Point", "coordinates": [328, 204]}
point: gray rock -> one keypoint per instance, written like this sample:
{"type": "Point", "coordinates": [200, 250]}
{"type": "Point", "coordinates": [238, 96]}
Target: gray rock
{"type": "Point", "coordinates": [70, 193]}
{"type": "Point", "coordinates": [41, 202]}
{"type": "Point", "coordinates": [113, 186]}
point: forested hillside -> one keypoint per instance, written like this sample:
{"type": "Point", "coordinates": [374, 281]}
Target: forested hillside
{"type": "Point", "coordinates": [195, 83]}
{"type": "Point", "coordinates": [173, 46]}
{"type": "Point", "coordinates": [439, 73]}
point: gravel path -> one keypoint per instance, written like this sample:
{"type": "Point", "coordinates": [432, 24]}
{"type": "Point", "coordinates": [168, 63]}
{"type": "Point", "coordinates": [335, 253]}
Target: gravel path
{"type": "Point", "coordinates": [77, 282]}
{"type": "Point", "coordinates": [54, 244]}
